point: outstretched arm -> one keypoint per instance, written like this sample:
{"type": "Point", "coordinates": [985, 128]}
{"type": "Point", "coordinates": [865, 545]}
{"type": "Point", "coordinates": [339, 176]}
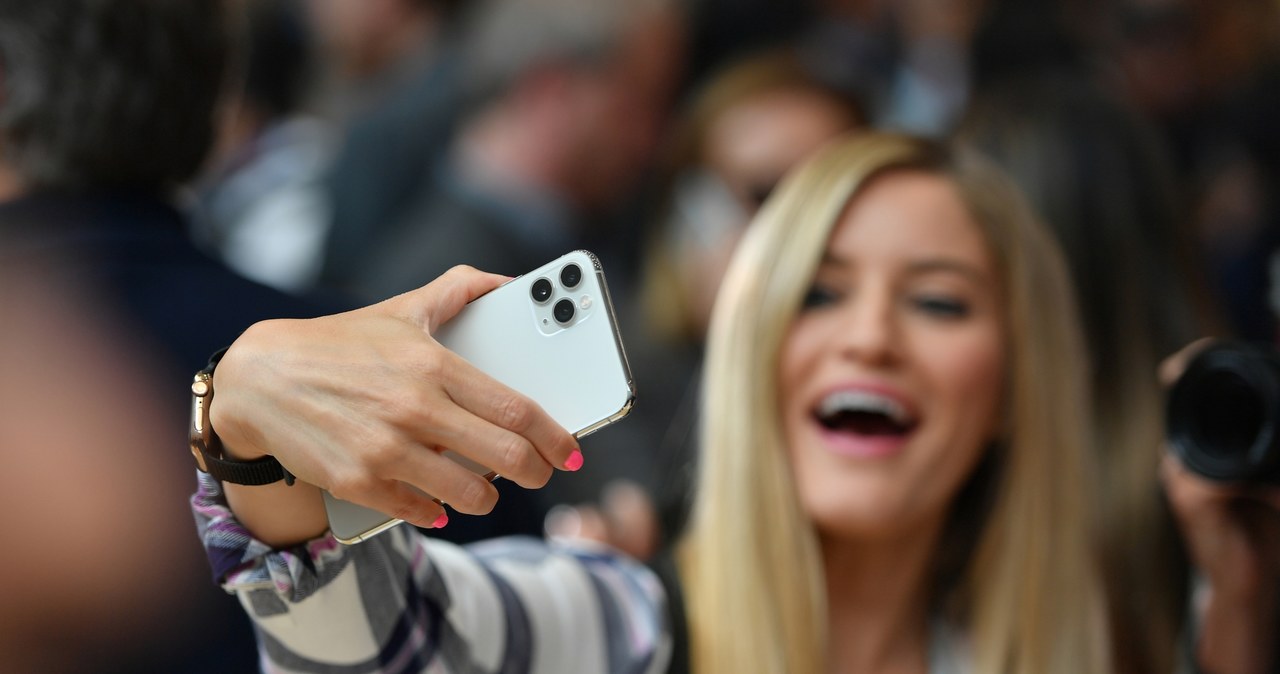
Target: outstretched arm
{"type": "Point", "coordinates": [364, 403]}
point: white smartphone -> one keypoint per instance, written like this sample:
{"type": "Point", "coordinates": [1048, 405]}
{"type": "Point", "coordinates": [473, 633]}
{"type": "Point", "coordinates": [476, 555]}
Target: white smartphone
{"type": "Point", "coordinates": [549, 334]}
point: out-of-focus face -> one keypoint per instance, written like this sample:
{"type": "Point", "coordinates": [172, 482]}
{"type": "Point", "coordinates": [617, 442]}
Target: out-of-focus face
{"type": "Point", "coordinates": [747, 151]}
{"type": "Point", "coordinates": [891, 377]}
{"type": "Point", "coordinates": [754, 143]}
{"type": "Point", "coordinates": [356, 36]}
{"type": "Point", "coordinates": [622, 109]}
{"type": "Point", "coordinates": [341, 29]}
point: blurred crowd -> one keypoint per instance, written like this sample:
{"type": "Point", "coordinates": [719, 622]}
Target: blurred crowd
{"type": "Point", "coordinates": [172, 172]}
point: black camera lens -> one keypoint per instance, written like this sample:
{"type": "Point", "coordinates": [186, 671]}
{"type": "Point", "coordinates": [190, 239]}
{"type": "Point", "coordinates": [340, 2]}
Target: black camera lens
{"type": "Point", "coordinates": [571, 276]}
{"type": "Point", "coordinates": [541, 290]}
{"type": "Point", "coordinates": [1224, 414]}
{"type": "Point", "coordinates": [564, 311]}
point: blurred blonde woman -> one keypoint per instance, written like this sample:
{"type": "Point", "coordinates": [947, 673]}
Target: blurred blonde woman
{"type": "Point", "coordinates": [893, 477]}
{"type": "Point", "coordinates": [1010, 567]}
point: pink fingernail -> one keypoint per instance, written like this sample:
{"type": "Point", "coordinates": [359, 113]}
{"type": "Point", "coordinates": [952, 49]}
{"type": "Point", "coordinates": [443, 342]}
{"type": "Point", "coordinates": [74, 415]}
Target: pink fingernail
{"type": "Point", "coordinates": [574, 462]}
{"type": "Point", "coordinates": [442, 520]}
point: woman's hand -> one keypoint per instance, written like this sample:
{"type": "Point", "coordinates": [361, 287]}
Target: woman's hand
{"type": "Point", "coordinates": [1232, 533]}
{"type": "Point", "coordinates": [625, 519]}
{"type": "Point", "coordinates": [364, 403]}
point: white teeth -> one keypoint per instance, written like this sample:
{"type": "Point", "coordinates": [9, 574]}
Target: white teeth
{"type": "Point", "coordinates": [863, 401]}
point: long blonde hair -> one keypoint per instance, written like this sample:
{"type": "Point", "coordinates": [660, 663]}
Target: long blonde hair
{"type": "Point", "coordinates": [1028, 594]}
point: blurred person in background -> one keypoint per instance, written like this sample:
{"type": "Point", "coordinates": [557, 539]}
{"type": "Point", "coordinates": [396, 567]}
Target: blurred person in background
{"type": "Point", "coordinates": [887, 484]}
{"type": "Point", "coordinates": [1155, 175]}
{"type": "Point", "coordinates": [371, 50]}
{"type": "Point", "coordinates": [107, 107]}
{"type": "Point", "coordinates": [908, 61]}
{"type": "Point", "coordinates": [86, 487]}
{"type": "Point", "coordinates": [261, 206]}
{"type": "Point", "coordinates": [1151, 173]}
{"type": "Point", "coordinates": [742, 131]}
{"type": "Point", "coordinates": [389, 83]}
{"type": "Point", "coordinates": [564, 103]}
{"type": "Point", "coordinates": [1207, 72]}
{"type": "Point", "coordinates": [1103, 178]}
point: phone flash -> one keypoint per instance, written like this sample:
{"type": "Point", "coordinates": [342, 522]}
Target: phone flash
{"type": "Point", "coordinates": [585, 302]}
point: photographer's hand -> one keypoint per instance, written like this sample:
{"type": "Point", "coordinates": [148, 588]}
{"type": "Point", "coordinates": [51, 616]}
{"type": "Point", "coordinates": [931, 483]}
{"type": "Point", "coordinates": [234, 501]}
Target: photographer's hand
{"type": "Point", "coordinates": [1232, 533]}
{"type": "Point", "coordinates": [1233, 536]}
{"type": "Point", "coordinates": [363, 404]}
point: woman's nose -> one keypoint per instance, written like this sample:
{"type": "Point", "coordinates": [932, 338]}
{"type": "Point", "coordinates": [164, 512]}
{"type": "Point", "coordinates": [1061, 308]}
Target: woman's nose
{"type": "Point", "coordinates": [869, 332]}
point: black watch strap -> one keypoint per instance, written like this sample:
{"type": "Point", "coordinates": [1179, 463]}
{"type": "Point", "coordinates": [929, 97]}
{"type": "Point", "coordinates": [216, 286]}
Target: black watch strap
{"type": "Point", "coordinates": [207, 448]}
{"type": "Point", "coordinates": [266, 470]}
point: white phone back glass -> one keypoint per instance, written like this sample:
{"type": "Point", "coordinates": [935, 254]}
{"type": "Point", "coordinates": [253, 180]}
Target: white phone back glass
{"type": "Point", "coordinates": [575, 369]}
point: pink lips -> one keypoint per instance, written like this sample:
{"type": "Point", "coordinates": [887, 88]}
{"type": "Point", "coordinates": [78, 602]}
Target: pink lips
{"type": "Point", "coordinates": [862, 446]}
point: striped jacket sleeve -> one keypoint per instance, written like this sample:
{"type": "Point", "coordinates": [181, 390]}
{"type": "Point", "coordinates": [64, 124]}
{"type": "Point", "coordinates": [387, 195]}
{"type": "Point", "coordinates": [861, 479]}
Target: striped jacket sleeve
{"type": "Point", "coordinates": [403, 602]}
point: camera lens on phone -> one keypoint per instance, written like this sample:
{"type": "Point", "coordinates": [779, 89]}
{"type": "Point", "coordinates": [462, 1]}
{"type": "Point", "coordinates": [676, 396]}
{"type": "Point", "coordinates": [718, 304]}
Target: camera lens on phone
{"type": "Point", "coordinates": [564, 311]}
{"type": "Point", "coordinates": [571, 276]}
{"type": "Point", "coordinates": [541, 290]}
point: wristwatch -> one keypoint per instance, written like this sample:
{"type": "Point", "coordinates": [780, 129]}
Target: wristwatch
{"type": "Point", "coordinates": [207, 449]}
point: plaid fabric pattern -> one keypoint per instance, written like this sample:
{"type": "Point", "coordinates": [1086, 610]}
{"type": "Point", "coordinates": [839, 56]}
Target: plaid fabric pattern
{"type": "Point", "coordinates": [403, 602]}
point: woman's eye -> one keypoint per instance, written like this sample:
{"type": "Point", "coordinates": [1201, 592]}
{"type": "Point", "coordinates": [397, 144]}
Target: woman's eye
{"type": "Point", "coordinates": [819, 296]}
{"type": "Point", "coordinates": [942, 307]}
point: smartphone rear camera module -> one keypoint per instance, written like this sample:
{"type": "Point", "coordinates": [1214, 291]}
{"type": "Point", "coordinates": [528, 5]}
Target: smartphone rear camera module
{"type": "Point", "coordinates": [564, 311]}
{"type": "Point", "coordinates": [541, 290]}
{"type": "Point", "coordinates": [571, 275]}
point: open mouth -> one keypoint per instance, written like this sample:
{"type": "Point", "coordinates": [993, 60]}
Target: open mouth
{"type": "Point", "coordinates": [863, 413]}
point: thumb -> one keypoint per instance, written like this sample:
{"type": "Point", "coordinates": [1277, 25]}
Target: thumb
{"type": "Point", "coordinates": [440, 300]}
